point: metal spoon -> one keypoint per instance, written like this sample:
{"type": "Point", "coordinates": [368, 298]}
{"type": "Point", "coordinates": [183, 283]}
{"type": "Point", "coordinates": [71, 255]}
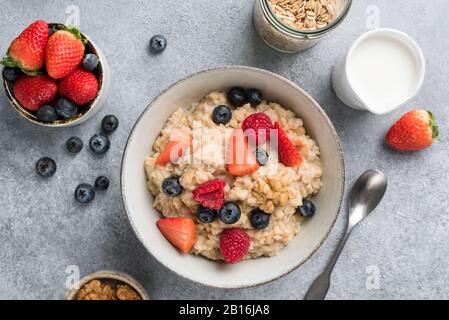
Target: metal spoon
{"type": "Point", "coordinates": [366, 194]}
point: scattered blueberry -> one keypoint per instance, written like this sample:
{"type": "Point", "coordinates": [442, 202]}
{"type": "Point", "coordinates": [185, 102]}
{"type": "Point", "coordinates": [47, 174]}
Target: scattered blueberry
{"type": "Point", "coordinates": [84, 193]}
{"type": "Point", "coordinates": [254, 97]}
{"type": "Point", "coordinates": [229, 213]}
{"type": "Point", "coordinates": [46, 167]}
{"type": "Point", "coordinates": [99, 143]}
{"type": "Point", "coordinates": [261, 156]}
{"type": "Point", "coordinates": [89, 62]}
{"type": "Point", "coordinates": [74, 145]}
{"type": "Point", "coordinates": [11, 74]}
{"type": "Point", "coordinates": [259, 219]}
{"type": "Point", "coordinates": [51, 31]}
{"type": "Point", "coordinates": [206, 215]}
{"type": "Point", "coordinates": [307, 209]}
{"type": "Point", "coordinates": [47, 113]}
{"type": "Point", "coordinates": [237, 97]}
{"type": "Point", "coordinates": [158, 43]}
{"type": "Point", "coordinates": [101, 183]}
{"type": "Point", "coordinates": [109, 123]}
{"type": "Point", "coordinates": [172, 187]}
{"type": "Point", "coordinates": [66, 109]}
{"type": "Point", "coordinates": [221, 114]}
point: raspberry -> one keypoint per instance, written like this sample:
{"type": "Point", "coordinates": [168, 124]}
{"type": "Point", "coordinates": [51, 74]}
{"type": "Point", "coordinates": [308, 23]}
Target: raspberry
{"type": "Point", "coordinates": [234, 244]}
{"type": "Point", "coordinates": [258, 126]}
{"type": "Point", "coordinates": [210, 194]}
{"type": "Point", "coordinates": [288, 154]}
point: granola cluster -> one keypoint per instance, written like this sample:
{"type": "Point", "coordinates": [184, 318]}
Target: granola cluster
{"type": "Point", "coordinates": [96, 290]}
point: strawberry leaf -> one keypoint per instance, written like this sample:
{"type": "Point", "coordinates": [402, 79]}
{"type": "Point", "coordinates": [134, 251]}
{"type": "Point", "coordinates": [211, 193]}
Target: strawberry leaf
{"type": "Point", "coordinates": [75, 31]}
{"type": "Point", "coordinates": [11, 63]}
{"type": "Point", "coordinates": [434, 126]}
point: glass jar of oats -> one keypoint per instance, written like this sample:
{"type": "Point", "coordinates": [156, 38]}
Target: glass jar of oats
{"type": "Point", "coordinates": [296, 25]}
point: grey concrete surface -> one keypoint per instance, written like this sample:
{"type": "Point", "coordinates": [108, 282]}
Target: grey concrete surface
{"type": "Point", "coordinates": [43, 230]}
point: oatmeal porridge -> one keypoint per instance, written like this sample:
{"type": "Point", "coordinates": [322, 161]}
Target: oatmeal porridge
{"type": "Point", "coordinates": [232, 176]}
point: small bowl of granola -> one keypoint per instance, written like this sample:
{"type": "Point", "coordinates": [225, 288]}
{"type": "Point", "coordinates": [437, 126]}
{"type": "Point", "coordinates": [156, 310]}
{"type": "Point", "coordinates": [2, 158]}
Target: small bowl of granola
{"type": "Point", "coordinates": [107, 285]}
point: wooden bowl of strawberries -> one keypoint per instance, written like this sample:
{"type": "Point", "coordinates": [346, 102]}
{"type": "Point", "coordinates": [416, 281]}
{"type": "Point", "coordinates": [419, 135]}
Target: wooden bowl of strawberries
{"type": "Point", "coordinates": [54, 75]}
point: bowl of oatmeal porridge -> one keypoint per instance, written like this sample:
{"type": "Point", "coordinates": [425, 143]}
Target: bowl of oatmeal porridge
{"type": "Point", "coordinates": [233, 177]}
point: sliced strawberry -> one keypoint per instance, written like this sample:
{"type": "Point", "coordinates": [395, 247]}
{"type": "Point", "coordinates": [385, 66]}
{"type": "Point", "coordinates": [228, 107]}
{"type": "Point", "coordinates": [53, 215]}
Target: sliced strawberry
{"type": "Point", "coordinates": [64, 52]}
{"type": "Point", "coordinates": [181, 232]}
{"type": "Point", "coordinates": [241, 160]}
{"type": "Point", "coordinates": [288, 154]}
{"type": "Point", "coordinates": [27, 50]}
{"type": "Point", "coordinates": [80, 87]}
{"type": "Point", "coordinates": [180, 141]}
{"type": "Point", "coordinates": [34, 91]}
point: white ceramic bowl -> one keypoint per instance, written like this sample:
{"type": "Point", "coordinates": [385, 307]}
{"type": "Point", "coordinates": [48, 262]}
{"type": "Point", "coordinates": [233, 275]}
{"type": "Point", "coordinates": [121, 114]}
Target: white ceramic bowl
{"type": "Point", "coordinates": [104, 79]}
{"type": "Point", "coordinates": [138, 201]}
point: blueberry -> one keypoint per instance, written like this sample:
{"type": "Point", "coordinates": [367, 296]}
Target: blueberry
{"type": "Point", "coordinates": [261, 156]}
{"type": "Point", "coordinates": [259, 219]}
{"type": "Point", "coordinates": [74, 145]}
{"type": "Point", "coordinates": [84, 193]}
{"type": "Point", "coordinates": [46, 167]}
{"type": "Point", "coordinates": [206, 215]}
{"type": "Point", "coordinates": [221, 114]}
{"type": "Point", "coordinates": [99, 143]}
{"type": "Point", "coordinates": [11, 74]}
{"type": "Point", "coordinates": [89, 62]}
{"type": "Point", "coordinates": [101, 183]}
{"type": "Point", "coordinates": [254, 97]}
{"type": "Point", "coordinates": [229, 213]}
{"type": "Point", "coordinates": [307, 209]}
{"type": "Point", "coordinates": [109, 123]}
{"type": "Point", "coordinates": [47, 113]}
{"type": "Point", "coordinates": [66, 109]}
{"type": "Point", "coordinates": [51, 31]}
{"type": "Point", "coordinates": [158, 43]}
{"type": "Point", "coordinates": [172, 187]}
{"type": "Point", "coordinates": [237, 97]}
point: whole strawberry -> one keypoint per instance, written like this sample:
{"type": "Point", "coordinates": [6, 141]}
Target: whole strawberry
{"type": "Point", "coordinates": [415, 130]}
{"type": "Point", "coordinates": [34, 91]}
{"type": "Point", "coordinates": [234, 244]}
{"type": "Point", "coordinates": [27, 50]}
{"type": "Point", "coordinates": [80, 87]}
{"type": "Point", "coordinates": [64, 52]}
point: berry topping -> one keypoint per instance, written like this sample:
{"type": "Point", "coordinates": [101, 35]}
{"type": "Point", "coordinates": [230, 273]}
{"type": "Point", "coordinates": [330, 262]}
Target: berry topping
{"type": "Point", "coordinates": [261, 156]}
{"type": "Point", "coordinates": [257, 128]}
{"type": "Point", "coordinates": [27, 50]}
{"type": "Point", "coordinates": [89, 62]}
{"type": "Point", "coordinates": [307, 209]}
{"type": "Point", "coordinates": [288, 154]}
{"type": "Point", "coordinates": [109, 123]}
{"type": "Point", "coordinates": [74, 145]}
{"type": "Point", "coordinates": [210, 194]}
{"type": "Point", "coordinates": [180, 232]}
{"type": "Point", "coordinates": [241, 160]}
{"type": "Point", "coordinates": [254, 97]}
{"type": "Point", "coordinates": [47, 113]}
{"type": "Point", "coordinates": [102, 183]}
{"type": "Point", "coordinates": [259, 219]}
{"type": "Point", "coordinates": [206, 215]}
{"type": "Point", "coordinates": [229, 213]}
{"type": "Point", "coordinates": [237, 96]}
{"type": "Point", "coordinates": [63, 53]}
{"type": "Point", "coordinates": [172, 187]}
{"type": "Point", "coordinates": [99, 143]}
{"type": "Point", "coordinates": [176, 147]}
{"type": "Point", "coordinates": [80, 87]}
{"type": "Point", "coordinates": [234, 244]}
{"type": "Point", "coordinates": [414, 131]}
{"type": "Point", "coordinates": [158, 43]}
{"type": "Point", "coordinates": [34, 92]}
{"type": "Point", "coordinates": [66, 109]}
{"type": "Point", "coordinates": [221, 114]}
{"type": "Point", "coordinates": [84, 193]}
{"type": "Point", "coordinates": [46, 167]}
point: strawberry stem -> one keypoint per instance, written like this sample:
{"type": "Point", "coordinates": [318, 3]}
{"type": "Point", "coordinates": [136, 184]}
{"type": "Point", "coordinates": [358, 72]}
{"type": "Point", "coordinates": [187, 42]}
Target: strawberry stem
{"type": "Point", "coordinates": [75, 31]}
{"type": "Point", "coordinates": [434, 126]}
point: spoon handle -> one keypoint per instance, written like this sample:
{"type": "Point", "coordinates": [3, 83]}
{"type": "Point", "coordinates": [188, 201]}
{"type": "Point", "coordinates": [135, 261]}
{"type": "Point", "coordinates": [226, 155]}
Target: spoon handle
{"type": "Point", "coordinates": [320, 285]}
